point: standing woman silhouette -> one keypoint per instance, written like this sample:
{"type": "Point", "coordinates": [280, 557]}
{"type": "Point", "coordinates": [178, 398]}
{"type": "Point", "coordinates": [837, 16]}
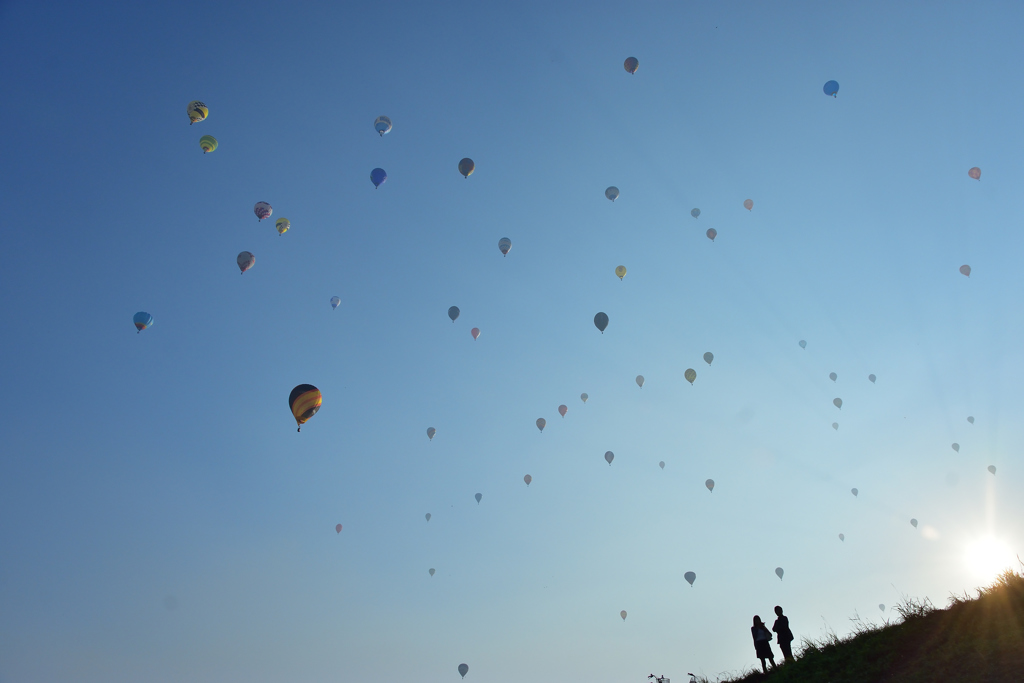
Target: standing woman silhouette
{"type": "Point", "coordinates": [762, 637]}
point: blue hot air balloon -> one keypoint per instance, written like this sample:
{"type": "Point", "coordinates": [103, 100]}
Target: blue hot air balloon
{"type": "Point", "coordinates": [378, 176]}
{"type": "Point", "coordinates": [831, 88]}
{"type": "Point", "coordinates": [142, 320]}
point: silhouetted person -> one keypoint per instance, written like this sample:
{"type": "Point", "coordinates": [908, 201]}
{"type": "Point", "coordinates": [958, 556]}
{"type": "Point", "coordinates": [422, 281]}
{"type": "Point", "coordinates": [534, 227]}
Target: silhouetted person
{"type": "Point", "coordinates": [783, 635]}
{"type": "Point", "coordinates": [762, 638]}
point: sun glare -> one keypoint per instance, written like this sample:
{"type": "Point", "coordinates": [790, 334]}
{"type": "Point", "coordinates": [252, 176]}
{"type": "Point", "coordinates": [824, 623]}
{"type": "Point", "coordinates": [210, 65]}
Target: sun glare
{"type": "Point", "coordinates": [988, 557]}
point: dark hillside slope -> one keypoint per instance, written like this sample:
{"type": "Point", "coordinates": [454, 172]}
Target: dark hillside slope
{"type": "Point", "coordinates": [980, 640]}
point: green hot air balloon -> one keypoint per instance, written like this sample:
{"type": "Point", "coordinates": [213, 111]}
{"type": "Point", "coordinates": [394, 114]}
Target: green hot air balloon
{"type": "Point", "coordinates": [690, 375]}
{"type": "Point", "coordinates": [207, 143]}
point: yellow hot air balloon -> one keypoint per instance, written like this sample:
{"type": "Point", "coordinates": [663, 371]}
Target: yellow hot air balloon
{"type": "Point", "coordinates": [207, 143]}
{"type": "Point", "coordinates": [304, 401]}
{"type": "Point", "coordinates": [197, 111]}
{"type": "Point", "coordinates": [620, 271]}
{"type": "Point", "coordinates": [283, 224]}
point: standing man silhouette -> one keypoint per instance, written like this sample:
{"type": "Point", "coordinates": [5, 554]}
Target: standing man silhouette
{"type": "Point", "coordinates": [785, 636]}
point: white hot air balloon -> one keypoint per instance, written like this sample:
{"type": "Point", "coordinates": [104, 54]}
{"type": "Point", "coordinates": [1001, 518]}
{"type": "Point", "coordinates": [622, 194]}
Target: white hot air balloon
{"type": "Point", "coordinates": [335, 301]}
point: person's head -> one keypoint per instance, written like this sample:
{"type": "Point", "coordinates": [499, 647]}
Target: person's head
{"type": "Point", "coordinates": [778, 611]}
{"type": "Point", "coordinates": [757, 621]}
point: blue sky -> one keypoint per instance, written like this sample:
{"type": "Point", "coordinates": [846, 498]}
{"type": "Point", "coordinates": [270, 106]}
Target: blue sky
{"type": "Point", "coordinates": [161, 519]}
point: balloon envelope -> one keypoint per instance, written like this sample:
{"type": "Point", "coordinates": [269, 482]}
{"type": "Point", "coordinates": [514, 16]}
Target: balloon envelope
{"type": "Point", "coordinates": [262, 210]}
{"type": "Point", "coordinates": [609, 456]}
{"type": "Point", "coordinates": [831, 88]}
{"type": "Point", "coordinates": [881, 607]}
{"type": "Point", "coordinates": [956, 447]}
{"type": "Point", "coordinates": [335, 301]}
{"type": "Point", "coordinates": [466, 167]}
{"type": "Point", "coordinates": [631, 65]}
{"type": "Point", "coordinates": [838, 403]}
{"type": "Point", "coordinates": [504, 245]}
{"type": "Point", "coordinates": [854, 491]}
{"type": "Point", "coordinates": [690, 375]}
{"type": "Point", "coordinates": [463, 670]}
{"type": "Point", "coordinates": [475, 332]}
{"type": "Point", "coordinates": [382, 125]}
{"type": "Point", "coordinates": [748, 204]}
{"type": "Point", "coordinates": [478, 497]}
{"type": "Point", "coordinates": [197, 111]}
{"type": "Point", "coordinates": [710, 483]}
{"type": "Point", "coordinates": [283, 225]}
{"type": "Point", "coordinates": [245, 260]}
{"type": "Point", "coordinates": [304, 402]}
{"type": "Point", "coordinates": [779, 572]}
{"type": "Point", "coordinates": [527, 479]}
{"type": "Point", "coordinates": [378, 176]}
{"type": "Point", "coordinates": [872, 378]}
{"type": "Point", "coordinates": [712, 234]}
{"type": "Point", "coordinates": [835, 426]}
{"type": "Point", "coordinates": [708, 357]}
{"type": "Point", "coordinates": [207, 143]}
{"type": "Point", "coordinates": [541, 422]}
{"type": "Point", "coordinates": [142, 320]}
{"type": "Point", "coordinates": [428, 516]}
{"type": "Point", "coordinates": [913, 523]}
{"type": "Point", "coordinates": [620, 271]}
{"type": "Point", "coordinates": [563, 409]}
{"type": "Point", "coordinates": [430, 433]}
{"type": "Point", "coordinates": [453, 312]}
{"type": "Point", "coordinates": [612, 193]}
{"type": "Point", "coordinates": [965, 270]}
{"type": "Point", "coordinates": [601, 321]}
{"type": "Point", "coordinates": [640, 381]}
{"type": "Point", "coordinates": [337, 528]}
{"type": "Point", "coordinates": [623, 614]}
{"type": "Point", "coordinates": [970, 418]}
{"type": "Point", "coordinates": [842, 537]}
{"type": "Point", "coordinates": [992, 469]}
{"type": "Point", "coordinates": [695, 213]}
{"type": "Point", "coordinates": [833, 376]}
{"type": "Point", "coordinates": [431, 571]}
{"type": "Point", "coordinates": [661, 464]}
{"type": "Point", "coordinates": [584, 397]}
{"type": "Point", "coordinates": [803, 344]}
{"type": "Point", "coordinates": [690, 577]}
{"type": "Point", "coordinates": [975, 173]}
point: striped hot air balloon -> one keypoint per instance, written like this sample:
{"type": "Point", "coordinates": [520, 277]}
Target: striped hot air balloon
{"type": "Point", "coordinates": [304, 401]}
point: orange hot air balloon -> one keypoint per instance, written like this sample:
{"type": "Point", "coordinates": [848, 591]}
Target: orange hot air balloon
{"type": "Point", "coordinates": [563, 409]}
{"type": "Point", "coordinates": [475, 332]}
{"type": "Point", "coordinates": [975, 173]}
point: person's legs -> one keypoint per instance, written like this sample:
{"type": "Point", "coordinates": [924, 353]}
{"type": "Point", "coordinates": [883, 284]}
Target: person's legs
{"type": "Point", "coordinates": [772, 660]}
{"type": "Point", "coordinates": [764, 667]}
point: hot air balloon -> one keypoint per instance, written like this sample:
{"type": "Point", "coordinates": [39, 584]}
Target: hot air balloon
{"type": "Point", "coordinates": [620, 271]}
{"type": "Point", "coordinates": [640, 381]}
{"type": "Point", "coordinates": [803, 344]}
{"type": "Point", "coordinates": [430, 433]}
{"type": "Point", "coordinates": [262, 210]}
{"type": "Point", "coordinates": [335, 302]}
{"type": "Point", "coordinates": [913, 523]}
{"type": "Point", "coordinates": [282, 225]}
{"type": "Point", "coordinates": [835, 426]}
{"type": "Point", "coordinates": [871, 378]}
{"type": "Point", "coordinates": [382, 125]}
{"type": "Point", "coordinates": [623, 614]}
{"type": "Point", "coordinates": [690, 577]}
{"type": "Point", "coordinates": [304, 401]}
{"type": "Point", "coordinates": [584, 397]}
{"type": "Point", "coordinates": [881, 607]}
{"type": "Point", "coordinates": [842, 537]}
{"type": "Point", "coordinates": [337, 528]}
{"type": "Point", "coordinates": [854, 492]}
{"type": "Point", "coordinates": [563, 409]}
{"type": "Point", "coordinates": [197, 111]}
{"type": "Point", "coordinates": [245, 261]}
{"type": "Point", "coordinates": [609, 456]}
{"type": "Point", "coordinates": [466, 167]}
{"type": "Point", "coordinates": [695, 213]}
{"type": "Point", "coordinates": [504, 245]}
{"type": "Point", "coordinates": [690, 375]}
{"type": "Point", "coordinates": [527, 479]}
{"type": "Point", "coordinates": [431, 571]}
{"type": "Point", "coordinates": [378, 176]}
{"type": "Point", "coordinates": [748, 204]}
{"type": "Point", "coordinates": [208, 143]}
{"type": "Point", "coordinates": [992, 469]}
{"type": "Point", "coordinates": [142, 321]}
{"type": "Point", "coordinates": [956, 447]}
{"type": "Point", "coordinates": [975, 173]}
{"type": "Point", "coordinates": [475, 332]}
{"type": "Point", "coordinates": [838, 403]}
{"type": "Point", "coordinates": [779, 572]}
{"type": "Point", "coordinates": [970, 418]}
{"type": "Point", "coordinates": [601, 321]}
{"type": "Point", "coordinates": [478, 497]}
{"type": "Point", "coordinates": [831, 88]}
{"type": "Point", "coordinates": [428, 516]}
{"type": "Point", "coordinates": [965, 270]}
{"type": "Point", "coordinates": [631, 65]}
{"type": "Point", "coordinates": [708, 357]}
{"type": "Point", "coordinates": [612, 193]}
{"type": "Point", "coordinates": [710, 483]}
{"type": "Point", "coordinates": [453, 312]}
{"type": "Point", "coordinates": [661, 464]}
{"type": "Point", "coordinates": [463, 668]}
{"type": "Point", "coordinates": [541, 422]}
{"type": "Point", "coordinates": [712, 234]}
{"type": "Point", "coordinates": [833, 376]}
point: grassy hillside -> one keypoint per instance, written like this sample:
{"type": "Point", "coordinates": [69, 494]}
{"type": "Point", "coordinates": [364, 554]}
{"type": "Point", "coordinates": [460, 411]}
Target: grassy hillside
{"type": "Point", "coordinates": [980, 640]}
